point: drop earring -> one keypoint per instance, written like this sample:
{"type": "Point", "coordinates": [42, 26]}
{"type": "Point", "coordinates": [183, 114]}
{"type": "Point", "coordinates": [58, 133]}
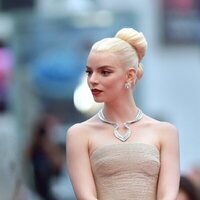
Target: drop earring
{"type": "Point", "coordinates": [127, 85]}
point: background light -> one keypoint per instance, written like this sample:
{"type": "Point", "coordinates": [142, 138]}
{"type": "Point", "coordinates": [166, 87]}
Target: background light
{"type": "Point", "coordinates": [83, 99]}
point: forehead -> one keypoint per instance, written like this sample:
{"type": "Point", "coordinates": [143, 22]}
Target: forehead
{"type": "Point", "coordinates": [98, 59]}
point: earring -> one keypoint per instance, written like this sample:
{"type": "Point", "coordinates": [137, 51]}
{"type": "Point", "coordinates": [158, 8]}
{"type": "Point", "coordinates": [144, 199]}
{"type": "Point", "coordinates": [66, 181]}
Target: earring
{"type": "Point", "coordinates": [127, 85]}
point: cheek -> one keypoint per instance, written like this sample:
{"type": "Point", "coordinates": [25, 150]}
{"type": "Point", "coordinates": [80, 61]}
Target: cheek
{"type": "Point", "coordinates": [114, 85]}
{"type": "Point", "coordinates": [115, 81]}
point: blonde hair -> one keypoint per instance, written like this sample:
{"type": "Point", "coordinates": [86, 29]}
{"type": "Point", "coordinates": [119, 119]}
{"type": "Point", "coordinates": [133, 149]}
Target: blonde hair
{"type": "Point", "coordinates": [128, 43]}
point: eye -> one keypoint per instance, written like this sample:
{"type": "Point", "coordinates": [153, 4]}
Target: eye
{"type": "Point", "coordinates": [88, 72]}
{"type": "Point", "coordinates": [105, 72]}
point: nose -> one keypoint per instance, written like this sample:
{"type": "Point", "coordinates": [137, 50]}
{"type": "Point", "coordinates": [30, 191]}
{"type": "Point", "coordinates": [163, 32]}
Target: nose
{"type": "Point", "coordinates": [93, 78]}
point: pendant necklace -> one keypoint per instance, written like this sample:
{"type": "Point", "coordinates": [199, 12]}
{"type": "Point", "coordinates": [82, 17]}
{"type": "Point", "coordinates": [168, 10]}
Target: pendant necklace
{"type": "Point", "coordinates": [117, 134]}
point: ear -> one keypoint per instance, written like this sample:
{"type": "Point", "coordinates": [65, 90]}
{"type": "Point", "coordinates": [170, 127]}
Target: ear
{"type": "Point", "coordinates": [131, 75]}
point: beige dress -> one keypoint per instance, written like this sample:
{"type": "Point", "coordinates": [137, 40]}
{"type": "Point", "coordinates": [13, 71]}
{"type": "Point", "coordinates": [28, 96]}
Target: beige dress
{"type": "Point", "coordinates": [126, 171]}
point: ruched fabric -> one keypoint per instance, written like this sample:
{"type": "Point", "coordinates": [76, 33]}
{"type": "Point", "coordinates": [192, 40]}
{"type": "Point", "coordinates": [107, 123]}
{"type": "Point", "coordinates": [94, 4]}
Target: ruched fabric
{"type": "Point", "coordinates": [126, 171]}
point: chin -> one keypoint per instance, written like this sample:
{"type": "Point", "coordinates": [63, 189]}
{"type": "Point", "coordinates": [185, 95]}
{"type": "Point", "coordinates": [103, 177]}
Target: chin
{"type": "Point", "coordinates": [98, 100]}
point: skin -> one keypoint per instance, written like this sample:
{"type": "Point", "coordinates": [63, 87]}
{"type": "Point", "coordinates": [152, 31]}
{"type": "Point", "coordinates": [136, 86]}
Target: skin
{"type": "Point", "coordinates": [107, 73]}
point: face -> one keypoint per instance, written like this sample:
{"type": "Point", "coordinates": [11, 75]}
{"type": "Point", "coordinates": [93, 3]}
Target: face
{"type": "Point", "coordinates": [106, 76]}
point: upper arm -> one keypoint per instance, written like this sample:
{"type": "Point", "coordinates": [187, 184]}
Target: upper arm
{"type": "Point", "coordinates": [168, 183]}
{"type": "Point", "coordinates": [78, 164]}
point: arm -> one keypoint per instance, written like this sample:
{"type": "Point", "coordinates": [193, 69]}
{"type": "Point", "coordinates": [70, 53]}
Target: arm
{"type": "Point", "coordinates": [168, 183]}
{"type": "Point", "coordinates": [78, 164]}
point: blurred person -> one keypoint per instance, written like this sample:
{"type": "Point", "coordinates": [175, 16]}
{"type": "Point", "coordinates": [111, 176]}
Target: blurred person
{"type": "Point", "coordinates": [46, 157]}
{"type": "Point", "coordinates": [187, 190]}
{"type": "Point", "coordinates": [121, 153]}
{"type": "Point", "coordinates": [6, 67]}
{"type": "Point", "coordinates": [9, 149]}
{"type": "Point", "coordinates": [22, 192]}
{"type": "Point", "coordinates": [194, 176]}
{"type": "Point", "coordinates": [9, 154]}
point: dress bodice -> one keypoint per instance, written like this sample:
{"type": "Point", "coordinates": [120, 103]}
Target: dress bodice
{"type": "Point", "coordinates": [126, 171]}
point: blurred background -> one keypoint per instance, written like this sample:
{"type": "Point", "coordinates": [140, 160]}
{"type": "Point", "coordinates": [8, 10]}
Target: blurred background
{"type": "Point", "coordinates": [43, 51]}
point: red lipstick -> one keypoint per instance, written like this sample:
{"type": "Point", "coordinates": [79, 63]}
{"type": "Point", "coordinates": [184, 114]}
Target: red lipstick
{"type": "Point", "coordinates": [96, 91]}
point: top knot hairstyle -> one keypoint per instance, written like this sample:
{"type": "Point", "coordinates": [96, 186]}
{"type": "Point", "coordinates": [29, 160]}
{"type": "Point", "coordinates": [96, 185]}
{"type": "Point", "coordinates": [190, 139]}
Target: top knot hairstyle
{"type": "Point", "coordinates": [135, 39]}
{"type": "Point", "coordinates": [129, 44]}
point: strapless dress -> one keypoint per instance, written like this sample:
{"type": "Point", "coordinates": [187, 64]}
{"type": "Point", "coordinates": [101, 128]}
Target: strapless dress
{"type": "Point", "coordinates": [126, 171]}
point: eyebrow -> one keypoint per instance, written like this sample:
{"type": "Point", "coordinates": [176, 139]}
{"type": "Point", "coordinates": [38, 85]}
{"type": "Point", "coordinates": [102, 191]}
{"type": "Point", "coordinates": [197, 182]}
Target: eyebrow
{"type": "Point", "coordinates": [101, 67]}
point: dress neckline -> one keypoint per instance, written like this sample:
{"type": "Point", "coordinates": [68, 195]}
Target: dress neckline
{"type": "Point", "coordinates": [100, 148]}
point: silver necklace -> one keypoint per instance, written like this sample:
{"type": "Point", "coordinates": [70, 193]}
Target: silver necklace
{"type": "Point", "coordinates": [117, 134]}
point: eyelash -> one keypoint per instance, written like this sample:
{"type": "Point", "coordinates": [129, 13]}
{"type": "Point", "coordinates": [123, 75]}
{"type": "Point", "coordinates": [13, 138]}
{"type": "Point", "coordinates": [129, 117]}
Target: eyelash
{"type": "Point", "coordinates": [88, 72]}
{"type": "Point", "coordinates": [103, 72]}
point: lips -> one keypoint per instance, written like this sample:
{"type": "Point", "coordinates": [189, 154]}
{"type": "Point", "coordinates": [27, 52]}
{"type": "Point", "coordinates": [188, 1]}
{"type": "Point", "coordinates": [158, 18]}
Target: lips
{"type": "Point", "coordinates": [96, 91]}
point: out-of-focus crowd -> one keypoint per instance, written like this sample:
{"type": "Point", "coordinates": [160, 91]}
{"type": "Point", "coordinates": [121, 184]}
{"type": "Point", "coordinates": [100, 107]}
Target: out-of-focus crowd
{"type": "Point", "coordinates": [190, 185]}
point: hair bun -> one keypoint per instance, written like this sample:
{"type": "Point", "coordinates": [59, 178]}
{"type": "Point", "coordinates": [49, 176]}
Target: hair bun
{"type": "Point", "coordinates": [135, 39]}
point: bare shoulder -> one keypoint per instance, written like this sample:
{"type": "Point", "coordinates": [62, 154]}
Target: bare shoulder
{"type": "Point", "coordinates": [80, 130]}
{"type": "Point", "coordinates": [169, 133]}
{"type": "Point", "coordinates": [161, 126]}
{"type": "Point", "coordinates": [75, 129]}
{"type": "Point", "coordinates": [165, 130]}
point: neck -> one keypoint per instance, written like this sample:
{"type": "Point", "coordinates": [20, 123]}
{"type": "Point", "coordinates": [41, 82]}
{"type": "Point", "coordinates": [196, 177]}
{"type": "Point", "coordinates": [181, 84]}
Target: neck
{"type": "Point", "coordinates": [120, 111]}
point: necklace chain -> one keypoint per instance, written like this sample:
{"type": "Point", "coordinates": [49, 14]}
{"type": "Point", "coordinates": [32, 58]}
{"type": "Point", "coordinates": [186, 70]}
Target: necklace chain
{"type": "Point", "coordinates": [117, 134]}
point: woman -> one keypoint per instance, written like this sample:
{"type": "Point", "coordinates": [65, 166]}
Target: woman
{"type": "Point", "coordinates": [121, 153]}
